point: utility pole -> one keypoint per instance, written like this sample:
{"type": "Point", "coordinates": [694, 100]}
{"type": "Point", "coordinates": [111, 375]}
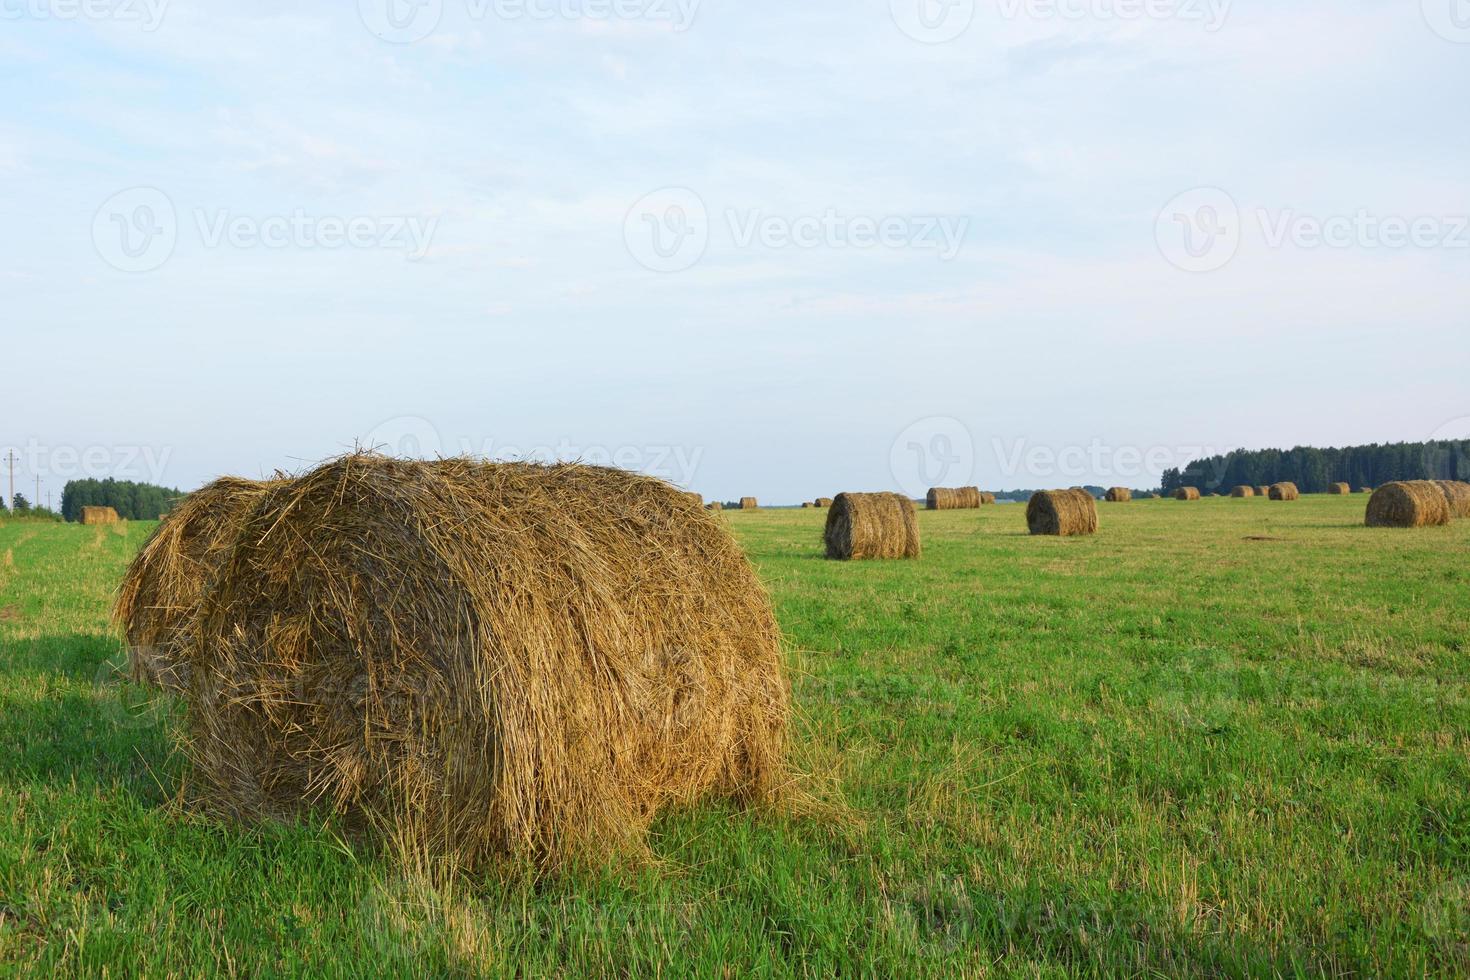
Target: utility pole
{"type": "Point", "coordinates": [38, 491]}
{"type": "Point", "coordinates": [10, 458]}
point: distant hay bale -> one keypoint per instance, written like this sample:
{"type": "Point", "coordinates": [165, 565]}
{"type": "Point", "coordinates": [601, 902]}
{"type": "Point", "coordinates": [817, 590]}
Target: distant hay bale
{"type": "Point", "coordinates": [749, 503]}
{"type": "Point", "coordinates": [872, 525]}
{"type": "Point", "coordinates": [1119, 495]}
{"type": "Point", "coordinates": [484, 659]}
{"type": "Point", "coordinates": [1284, 491]}
{"type": "Point", "coordinates": [824, 502]}
{"type": "Point", "coordinates": [1243, 491]}
{"type": "Point", "coordinates": [953, 498]}
{"type": "Point", "coordinates": [1457, 495]}
{"type": "Point", "coordinates": [163, 586]}
{"type": "Point", "coordinates": [808, 505]}
{"type": "Point", "coordinates": [1263, 491]}
{"type": "Point", "coordinates": [1186, 493]}
{"type": "Point", "coordinates": [1408, 503]}
{"type": "Point", "coordinates": [986, 499]}
{"type": "Point", "coordinates": [99, 515]}
{"type": "Point", "coordinates": [1062, 512]}
{"type": "Point", "coordinates": [714, 505]}
{"type": "Point", "coordinates": [1340, 489]}
{"type": "Point", "coordinates": [1365, 489]}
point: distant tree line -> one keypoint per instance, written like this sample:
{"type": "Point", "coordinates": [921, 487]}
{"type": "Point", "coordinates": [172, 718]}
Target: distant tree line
{"type": "Point", "coordinates": [1314, 470]}
{"type": "Point", "coordinates": [132, 501]}
{"type": "Point", "coordinates": [21, 507]}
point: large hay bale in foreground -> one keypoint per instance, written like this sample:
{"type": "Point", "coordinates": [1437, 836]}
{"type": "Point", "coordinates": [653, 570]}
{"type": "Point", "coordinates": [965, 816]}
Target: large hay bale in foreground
{"type": "Point", "coordinates": [483, 659]}
{"type": "Point", "coordinates": [1285, 491]}
{"type": "Point", "coordinates": [953, 498]}
{"type": "Point", "coordinates": [1062, 512]}
{"type": "Point", "coordinates": [1457, 494]}
{"type": "Point", "coordinates": [99, 515]}
{"type": "Point", "coordinates": [1340, 489]}
{"type": "Point", "coordinates": [1243, 491]}
{"type": "Point", "coordinates": [1119, 495]}
{"type": "Point", "coordinates": [1186, 493]}
{"type": "Point", "coordinates": [749, 503]}
{"type": "Point", "coordinates": [1408, 503]}
{"type": "Point", "coordinates": [162, 588]}
{"type": "Point", "coordinates": [872, 525]}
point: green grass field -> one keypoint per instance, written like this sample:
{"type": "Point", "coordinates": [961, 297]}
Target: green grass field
{"type": "Point", "coordinates": [1226, 737]}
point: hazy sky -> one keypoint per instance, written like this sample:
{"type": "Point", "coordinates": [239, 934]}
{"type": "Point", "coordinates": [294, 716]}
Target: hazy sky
{"type": "Point", "coordinates": [770, 248]}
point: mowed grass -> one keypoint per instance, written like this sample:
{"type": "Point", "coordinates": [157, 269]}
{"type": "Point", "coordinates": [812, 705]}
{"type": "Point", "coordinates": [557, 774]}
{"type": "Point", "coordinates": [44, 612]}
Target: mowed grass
{"type": "Point", "coordinates": [1225, 737]}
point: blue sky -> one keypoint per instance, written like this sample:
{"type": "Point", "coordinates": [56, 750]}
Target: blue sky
{"type": "Point", "coordinates": [757, 247]}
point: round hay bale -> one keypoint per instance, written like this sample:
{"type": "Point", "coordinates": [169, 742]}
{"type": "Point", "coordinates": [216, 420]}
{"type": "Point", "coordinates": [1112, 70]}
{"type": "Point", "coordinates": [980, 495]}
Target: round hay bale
{"type": "Point", "coordinates": [698, 498]}
{"type": "Point", "coordinates": [953, 498]}
{"type": "Point", "coordinates": [1340, 489]}
{"type": "Point", "coordinates": [1062, 512]}
{"type": "Point", "coordinates": [99, 515]}
{"type": "Point", "coordinates": [162, 588]}
{"type": "Point", "coordinates": [480, 659]}
{"type": "Point", "coordinates": [1119, 495]}
{"type": "Point", "coordinates": [1365, 489]}
{"type": "Point", "coordinates": [1408, 503]}
{"type": "Point", "coordinates": [824, 502]}
{"type": "Point", "coordinates": [714, 505]}
{"type": "Point", "coordinates": [872, 525]}
{"type": "Point", "coordinates": [1285, 491]}
{"type": "Point", "coordinates": [808, 505]}
{"type": "Point", "coordinates": [986, 499]}
{"type": "Point", "coordinates": [1263, 491]}
{"type": "Point", "coordinates": [1243, 491]}
{"type": "Point", "coordinates": [749, 503]}
{"type": "Point", "coordinates": [1457, 495]}
{"type": "Point", "coordinates": [1186, 493]}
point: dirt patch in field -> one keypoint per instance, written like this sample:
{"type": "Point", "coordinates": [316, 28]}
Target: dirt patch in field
{"type": "Point", "coordinates": [1261, 537]}
{"type": "Point", "coordinates": [9, 614]}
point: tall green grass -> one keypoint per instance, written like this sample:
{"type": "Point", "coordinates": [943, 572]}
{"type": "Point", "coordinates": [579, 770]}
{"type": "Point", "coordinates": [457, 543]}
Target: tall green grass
{"type": "Point", "coordinates": [1220, 737]}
